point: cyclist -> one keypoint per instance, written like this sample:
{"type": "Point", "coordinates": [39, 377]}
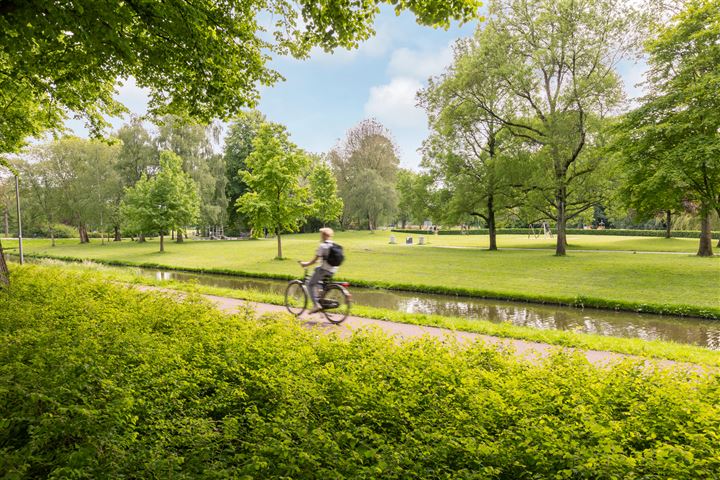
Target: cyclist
{"type": "Point", "coordinates": [324, 271]}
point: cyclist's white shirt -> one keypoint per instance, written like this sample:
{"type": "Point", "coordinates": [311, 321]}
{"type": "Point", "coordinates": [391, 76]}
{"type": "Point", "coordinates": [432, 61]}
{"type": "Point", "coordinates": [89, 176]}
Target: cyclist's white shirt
{"type": "Point", "coordinates": [322, 252]}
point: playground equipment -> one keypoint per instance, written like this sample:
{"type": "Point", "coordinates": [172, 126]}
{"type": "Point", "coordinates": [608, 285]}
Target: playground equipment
{"type": "Point", "coordinates": [544, 229]}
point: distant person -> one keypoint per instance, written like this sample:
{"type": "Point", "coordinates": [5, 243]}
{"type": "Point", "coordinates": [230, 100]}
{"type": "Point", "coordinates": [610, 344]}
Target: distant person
{"type": "Point", "coordinates": [331, 256]}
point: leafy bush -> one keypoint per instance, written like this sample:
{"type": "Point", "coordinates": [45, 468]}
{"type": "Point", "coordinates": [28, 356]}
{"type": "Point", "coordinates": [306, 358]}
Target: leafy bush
{"type": "Point", "coordinates": [97, 381]}
{"type": "Point", "coordinates": [60, 230]}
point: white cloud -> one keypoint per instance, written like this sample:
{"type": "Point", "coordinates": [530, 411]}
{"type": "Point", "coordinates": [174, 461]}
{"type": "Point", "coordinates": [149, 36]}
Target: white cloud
{"type": "Point", "coordinates": [394, 104]}
{"type": "Point", "coordinates": [419, 64]}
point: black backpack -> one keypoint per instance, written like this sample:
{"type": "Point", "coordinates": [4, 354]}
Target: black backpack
{"type": "Point", "coordinates": [335, 255]}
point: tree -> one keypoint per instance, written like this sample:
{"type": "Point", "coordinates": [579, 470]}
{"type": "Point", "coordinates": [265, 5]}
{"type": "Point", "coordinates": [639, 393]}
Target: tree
{"type": "Point", "coordinates": [327, 207]}
{"type": "Point", "coordinates": [5, 200]}
{"type": "Point", "coordinates": [374, 198]}
{"type": "Point", "coordinates": [83, 173]}
{"type": "Point", "coordinates": [412, 197]}
{"type": "Point", "coordinates": [193, 142]}
{"type": "Point", "coordinates": [645, 187]}
{"type": "Point", "coordinates": [165, 202]}
{"type": "Point", "coordinates": [556, 61]}
{"type": "Point", "coordinates": [138, 155]}
{"type": "Point", "coordinates": [205, 58]}
{"type": "Point", "coordinates": [673, 135]}
{"type": "Point", "coordinates": [275, 199]}
{"type": "Point", "coordinates": [469, 148]}
{"type": "Point", "coordinates": [40, 195]}
{"type": "Point", "coordinates": [7, 197]}
{"type": "Point", "coordinates": [368, 154]}
{"type": "Point", "coordinates": [238, 145]}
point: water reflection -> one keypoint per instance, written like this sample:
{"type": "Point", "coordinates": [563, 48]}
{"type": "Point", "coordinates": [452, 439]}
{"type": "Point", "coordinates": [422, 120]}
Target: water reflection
{"type": "Point", "coordinates": [693, 331]}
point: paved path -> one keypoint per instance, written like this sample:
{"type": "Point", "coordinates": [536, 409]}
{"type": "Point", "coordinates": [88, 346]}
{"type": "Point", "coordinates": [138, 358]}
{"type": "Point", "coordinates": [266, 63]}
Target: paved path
{"type": "Point", "coordinates": [532, 351]}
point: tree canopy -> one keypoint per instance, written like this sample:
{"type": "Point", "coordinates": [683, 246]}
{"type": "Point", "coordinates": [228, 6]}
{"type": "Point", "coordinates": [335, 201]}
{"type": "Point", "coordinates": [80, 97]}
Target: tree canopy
{"type": "Point", "coordinates": [366, 165]}
{"type": "Point", "coordinates": [204, 58]}
{"type": "Point", "coordinates": [327, 206]}
{"type": "Point", "coordinates": [674, 136]}
{"type": "Point", "coordinates": [554, 61]}
{"type": "Point", "coordinates": [470, 149]}
{"type": "Point", "coordinates": [168, 201]}
{"type": "Point", "coordinates": [275, 199]}
{"type": "Point", "coordinates": [238, 145]}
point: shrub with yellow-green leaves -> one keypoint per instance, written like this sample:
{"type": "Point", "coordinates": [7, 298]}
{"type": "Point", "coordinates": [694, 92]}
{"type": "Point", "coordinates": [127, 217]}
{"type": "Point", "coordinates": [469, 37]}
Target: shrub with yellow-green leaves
{"type": "Point", "coordinates": [100, 381]}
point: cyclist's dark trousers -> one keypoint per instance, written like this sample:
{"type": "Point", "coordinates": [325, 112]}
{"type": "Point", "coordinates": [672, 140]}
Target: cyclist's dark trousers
{"type": "Point", "coordinates": [318, 276]}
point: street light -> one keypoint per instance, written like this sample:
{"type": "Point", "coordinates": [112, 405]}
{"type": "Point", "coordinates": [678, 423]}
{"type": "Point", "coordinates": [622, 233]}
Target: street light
{"type": "Point", "coordinates": [17, 201]}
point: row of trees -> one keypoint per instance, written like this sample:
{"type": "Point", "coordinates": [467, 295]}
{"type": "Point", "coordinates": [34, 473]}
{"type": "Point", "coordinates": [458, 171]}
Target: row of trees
{"type": "Point", "coordinates": [524, 127]}
{"type": "Point", "coordinates": [82, 183]}
{"type": "Point", "coordinates": [525, 121]}
{"type": "Point", "coordinates": [203, 60]}
{"type": "Point", "coordinates": [140, 184]}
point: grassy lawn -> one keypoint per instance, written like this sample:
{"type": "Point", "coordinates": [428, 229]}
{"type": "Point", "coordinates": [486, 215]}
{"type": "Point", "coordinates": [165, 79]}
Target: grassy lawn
{"type": "Point", "coordinates": [622, 278]}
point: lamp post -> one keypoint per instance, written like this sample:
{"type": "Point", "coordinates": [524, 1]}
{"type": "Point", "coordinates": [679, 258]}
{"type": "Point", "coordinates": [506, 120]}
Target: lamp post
{"type": "Point", "coordinates": [17, 201]}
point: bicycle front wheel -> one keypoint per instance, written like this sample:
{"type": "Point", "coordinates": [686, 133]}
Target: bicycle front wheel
{"type": "Point", "coordinates": [296, 298]}
{"type": "Point", "coordinates": [336, 303]}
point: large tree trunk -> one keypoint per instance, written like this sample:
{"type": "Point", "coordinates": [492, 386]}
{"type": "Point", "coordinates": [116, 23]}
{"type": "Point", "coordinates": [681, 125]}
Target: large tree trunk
{"type": "Point", "coordinates": [491, 223]}
{"type": "Point", "coordinates": [705, 249]}
{"type": "Point", "coordinates": [6, 216]}
{"type": "Point", "coordinates": [172, 234]}
{"type": "Point", "coordinates": [279, 243]}
{"type": "Point", "coordinates": [179, 236]}
{"type": "Point", "coordinates": [141, 238]}
{"type": "Point", "coordinates": [668, 223]}
{"type": "Point", "coordinates": [117, 237]}
{"type": "Point", "coordinates": [82, 231]}
{"type": "Point", "coordinates": [4, 273]}
{"type": "Point", "coordinates": [561, 237]}
{"type": "Point", "coordinates": [162, 242]}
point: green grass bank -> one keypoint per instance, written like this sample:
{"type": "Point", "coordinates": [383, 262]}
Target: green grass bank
{"type": "Point", "coordinates": [632, 346]}
{"type": "Point", "coordinates": [98, 381]}
{"type": "Point", "coordinates": [656, 283]}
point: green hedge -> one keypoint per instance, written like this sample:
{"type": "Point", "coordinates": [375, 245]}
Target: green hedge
{"type": "Point", "coordinates": [570, 231]}
{"type": "Point", "coordinates": [97, 381]}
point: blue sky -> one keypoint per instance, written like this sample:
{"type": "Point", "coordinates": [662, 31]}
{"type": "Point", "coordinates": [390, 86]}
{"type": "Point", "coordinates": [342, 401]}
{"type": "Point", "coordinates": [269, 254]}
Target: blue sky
{"type": "Point", "coordinates": [325, 95]}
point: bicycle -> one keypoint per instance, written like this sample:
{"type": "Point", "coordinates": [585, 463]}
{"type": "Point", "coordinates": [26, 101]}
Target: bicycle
{"type": "Point", "coordinates": [334, 298]}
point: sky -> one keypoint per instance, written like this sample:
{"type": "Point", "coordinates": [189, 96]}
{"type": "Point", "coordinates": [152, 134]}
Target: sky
{"type": "Point", "coordinates": [324, 96]}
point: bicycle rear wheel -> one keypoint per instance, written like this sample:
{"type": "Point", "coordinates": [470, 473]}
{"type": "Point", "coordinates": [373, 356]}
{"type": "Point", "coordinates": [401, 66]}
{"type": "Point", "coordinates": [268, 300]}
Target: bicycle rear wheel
{"type": "Point", "coordinates": [296, 298]}
{"type": "Point", "coordinates": [336, 303]}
